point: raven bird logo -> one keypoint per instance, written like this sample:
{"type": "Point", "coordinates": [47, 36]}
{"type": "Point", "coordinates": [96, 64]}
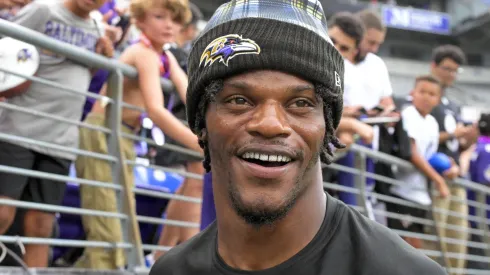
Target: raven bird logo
{"type": "Point", "coordinates": [226, 48]}
{"type": "Point", "coordinates": [23, 55]}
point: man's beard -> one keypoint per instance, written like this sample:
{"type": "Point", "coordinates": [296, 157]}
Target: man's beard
{"type": "Point", "coordinates": [359, 57]}
{"type": "Point", "coordinates": [257, 215]}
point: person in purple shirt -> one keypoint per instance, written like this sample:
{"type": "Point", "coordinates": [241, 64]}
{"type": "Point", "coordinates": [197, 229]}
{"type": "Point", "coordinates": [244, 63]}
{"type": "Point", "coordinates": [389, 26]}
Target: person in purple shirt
{"type": "Point", "coordinates": [480, 163]}
{"type": "Point", "coordinates": [479, 171]}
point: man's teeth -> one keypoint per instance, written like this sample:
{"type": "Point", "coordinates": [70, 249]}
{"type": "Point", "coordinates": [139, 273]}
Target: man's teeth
{"type": "Point", "coordinates": [265, 157]}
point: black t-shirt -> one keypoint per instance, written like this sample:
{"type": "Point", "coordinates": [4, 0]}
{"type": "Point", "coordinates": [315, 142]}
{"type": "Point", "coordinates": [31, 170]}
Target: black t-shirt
{"type": "Point", "coordinates": [447, 114]}
{"type": "Point", "coordinates": [347, 244]}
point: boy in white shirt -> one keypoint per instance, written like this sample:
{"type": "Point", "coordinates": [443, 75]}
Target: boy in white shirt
{"type": "Point", "coordinates": [423, 130]}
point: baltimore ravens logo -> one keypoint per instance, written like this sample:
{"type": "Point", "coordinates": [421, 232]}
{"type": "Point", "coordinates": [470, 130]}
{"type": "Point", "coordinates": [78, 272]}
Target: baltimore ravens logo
{"type": "Point", "coordinates": [23, 55]}
{"type": "Point", "coordinates": [226, 48]}
{"type": "Point", "coordinates": [486, 173]}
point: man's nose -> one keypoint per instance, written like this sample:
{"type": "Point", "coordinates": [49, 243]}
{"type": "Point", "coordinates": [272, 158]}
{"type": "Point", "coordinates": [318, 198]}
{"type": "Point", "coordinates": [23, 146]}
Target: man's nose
{"type": "Point", "coordinates": [270, 121]}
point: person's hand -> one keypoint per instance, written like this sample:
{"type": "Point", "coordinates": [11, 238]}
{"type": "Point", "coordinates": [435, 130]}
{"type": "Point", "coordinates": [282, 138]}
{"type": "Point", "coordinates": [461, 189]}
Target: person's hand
{"type": "Point", "coordinates": [122, 11]}
{"type": "Point", "coordinates": [390, 112]}
{"type": "Point", "coordinates": [352, 111]}
{"type": "Point", "coordinates": [442, 187]}
{"type": "Point", "coordinates": [2, 99]}
{"type": "Point", "coordinates": [107, 16]}
{"type": "Point", "coordinates": [452, 172]}
{"type": "Point", "coordinates": [393, 114]}
{"type": "Point", "coordinates": [7, 4]}
{"type": "Point", "coordinates": [113, 33]}
{"type": "Point", "coordinates": [461, 130]}
{"type": "Point", "coordinates": [104, 46]}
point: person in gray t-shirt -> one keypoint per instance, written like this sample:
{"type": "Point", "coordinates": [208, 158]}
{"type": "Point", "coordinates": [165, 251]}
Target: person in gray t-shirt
{"type": "Point", "coordinates": [68, 22]}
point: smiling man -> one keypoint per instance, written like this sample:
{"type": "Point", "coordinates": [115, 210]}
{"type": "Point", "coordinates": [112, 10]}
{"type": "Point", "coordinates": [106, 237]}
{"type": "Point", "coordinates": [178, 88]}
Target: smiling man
{"type": "Point", "coordinates": [265, 97]}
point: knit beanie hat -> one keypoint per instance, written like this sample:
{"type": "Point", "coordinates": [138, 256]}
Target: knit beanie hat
{"type": "Point", "coordinates": [282, 35]}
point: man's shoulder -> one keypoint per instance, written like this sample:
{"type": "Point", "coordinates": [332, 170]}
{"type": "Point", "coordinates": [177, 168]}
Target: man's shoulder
{"type": "Point", "coordinates": [44, 5]}
{"type": "Point", "coordinates": [40, 7]}
{"type": "Point", "coordinates": [374, 60]}
{"type": "Point", "coordinates": [385, 252]}
{"type": "Point", "coordinates": [195, 252]}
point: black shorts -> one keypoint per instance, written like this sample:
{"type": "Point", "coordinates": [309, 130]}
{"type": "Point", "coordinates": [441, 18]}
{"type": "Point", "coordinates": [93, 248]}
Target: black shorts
{"type": "Point", "coordinates": [405, 224]}
{"type": "Point", "coordinates": [30, 188]}
{"type": "Point", "coordinates": [166, 157]}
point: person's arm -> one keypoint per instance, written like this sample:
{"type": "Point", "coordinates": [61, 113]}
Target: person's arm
{"type": "Point", "coordinates": [388, 104]}
{"type": "Point", "coordinates": [354, 126]}
{"type": "Point", "coordinates": [452, 172]}
{"type": "Point", "coordinates": [178, 77]}
{"type": "Point", "coordinates": [421, 164]}
{"type": "Point", "coordinates": [458, 133]}
{"type": "Point", "coordinates": [147, 64]}
{"type": "Point", "coordinates": [352, 111]}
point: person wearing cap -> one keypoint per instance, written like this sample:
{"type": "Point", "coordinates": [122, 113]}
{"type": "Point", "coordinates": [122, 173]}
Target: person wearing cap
{"type": "Point", "coordinates": [264, 97]}
{"type": "Point", "coordinates": [445, 65]}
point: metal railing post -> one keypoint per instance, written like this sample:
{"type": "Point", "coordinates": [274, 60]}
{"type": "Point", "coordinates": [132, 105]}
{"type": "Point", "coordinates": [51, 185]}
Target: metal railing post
{"type": "Point", "coordinates": [125, 197]}
{"type": "Point", "coordinates": [360, 181]}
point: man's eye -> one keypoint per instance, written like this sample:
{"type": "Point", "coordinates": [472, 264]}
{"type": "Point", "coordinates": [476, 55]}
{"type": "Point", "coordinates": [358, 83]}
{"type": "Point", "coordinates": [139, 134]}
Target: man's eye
{"type": "Point", "coordinates": [301, 104]}
{"type": "Point", "coordinates": [238, 101]}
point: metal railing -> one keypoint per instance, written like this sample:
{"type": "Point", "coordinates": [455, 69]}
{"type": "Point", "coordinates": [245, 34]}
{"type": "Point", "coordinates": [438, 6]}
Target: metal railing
{"type": "Point", "coordinates": [132, 242]}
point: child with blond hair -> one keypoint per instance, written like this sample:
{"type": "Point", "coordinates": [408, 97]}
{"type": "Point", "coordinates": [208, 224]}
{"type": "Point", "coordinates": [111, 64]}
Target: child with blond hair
{"type": "Point", "coordinates": [159, 21]}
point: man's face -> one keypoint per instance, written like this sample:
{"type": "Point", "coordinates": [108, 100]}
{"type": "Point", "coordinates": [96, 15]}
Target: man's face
{"type": "Point", "coordinates": [265, 130]}
{"type": "Point", "coordinates": [446, 71]}
{"type": "Point", "coordinates": [345, 44]}
{"type": "Point", "coordinates": [371, 42]}
{"type": "Point", "coordinates": [426, 96]}
{"type": "Point", "coordinates": [89, 5]}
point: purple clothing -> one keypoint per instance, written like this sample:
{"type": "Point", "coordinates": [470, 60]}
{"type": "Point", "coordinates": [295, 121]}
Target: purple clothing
{"type": "Point", "coordinates": [480, 172]}
{"type": "Point", "coordinates": [110, 6]}
{"type": "Point", "coordinates": [208, 212]}
{"type": "Point", "coordinates": [95, 86]}
{"type": "Point", "coordinates": [166, 66]}
{"type": "Point", "coordinates": [347, 179]}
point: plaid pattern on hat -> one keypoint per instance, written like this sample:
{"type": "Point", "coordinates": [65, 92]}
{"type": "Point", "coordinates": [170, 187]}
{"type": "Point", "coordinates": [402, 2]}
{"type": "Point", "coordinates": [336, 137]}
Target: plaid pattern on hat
{"type": "Point", "coordinates": [305, 13]}
{"type": "Point", "coordinates": [282, 35]}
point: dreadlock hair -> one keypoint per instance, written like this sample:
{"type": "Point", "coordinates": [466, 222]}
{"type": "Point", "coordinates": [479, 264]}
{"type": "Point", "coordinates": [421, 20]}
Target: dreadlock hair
{"type": "Point", "coordinates": [328, 97]}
